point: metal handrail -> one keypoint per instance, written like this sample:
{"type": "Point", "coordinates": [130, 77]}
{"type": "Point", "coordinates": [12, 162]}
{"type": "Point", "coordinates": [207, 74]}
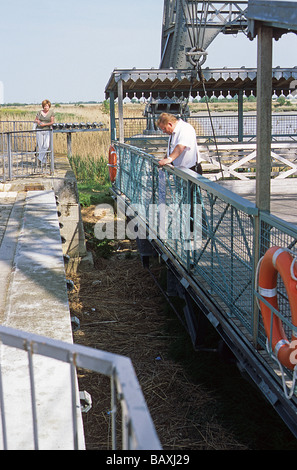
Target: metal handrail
{"type": "Point", "coordinates": [19, 153]}
{"type": "Point", "coordinates": [138, 432]}
{"type": "Point", "coordinates": [223, 224]}
{"type": "Point", "coordinates": [223, 263]}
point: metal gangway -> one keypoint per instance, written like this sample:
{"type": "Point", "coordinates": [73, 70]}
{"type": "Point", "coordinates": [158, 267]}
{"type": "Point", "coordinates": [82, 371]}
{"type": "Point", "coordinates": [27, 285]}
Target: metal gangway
{"type": "Point", "coordinates": [211, 255]}
{"type": "Point", "coordinates": [233, 151]}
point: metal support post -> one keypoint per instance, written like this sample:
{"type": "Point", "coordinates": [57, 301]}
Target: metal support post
{"type": "Point", "coordinates": [263, 165]}
{"type": "Point", "coordinates": [240, 115]}
{"type": "Point", "coordinates": [69, 146]}
{"type": "Point", "coordinates": [121, 113]}
{"type": "Point", "coordinates": [52, 152]}
{"type": "Point", "coordinates": [112, 117]}
{"type": "Point", "coordinates": [9, 155]}
{"type": "Point", "coordinates": [264, 93]}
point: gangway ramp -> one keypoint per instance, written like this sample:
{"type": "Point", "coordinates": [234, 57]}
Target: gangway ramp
{"type": "Point", "coordinates": [34, 299]}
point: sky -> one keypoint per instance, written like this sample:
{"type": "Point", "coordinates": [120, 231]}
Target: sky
{"type": "Point", "coordinates": [66, 50]}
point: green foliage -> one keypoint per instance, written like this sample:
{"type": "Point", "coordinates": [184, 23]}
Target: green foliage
{"type": "Point", "coordinates": [92, 180]}
{"type": "Point", "coordinates": [101, 248]}
{"type": "Point", "coordinates": [9, 113]}
{"type": "Point", "coordinates": [63, 117]}
{"type": "Point", "coordinates": [93, 188]}
{"type": "Point", "coordinates": [93, 193]}
{"type": "Point", "coordinates": [282, 103]}
{"type": "Point", "coordinates": [252, 99]}
{"type": "Point", "coordinates": [105, 107]}
{"type": "Point", "coordinates": [90, 169]}
{"type": "Point", "coordinates": [281, 100]}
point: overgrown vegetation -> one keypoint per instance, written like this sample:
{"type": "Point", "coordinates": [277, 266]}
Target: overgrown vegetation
{"type": "Point", "coordinates": [92, 177]}
{"type": "Point", "coordinates": [93, 187]}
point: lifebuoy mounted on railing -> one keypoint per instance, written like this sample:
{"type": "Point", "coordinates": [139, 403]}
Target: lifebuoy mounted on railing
{"type": "Point", "coordinates": [279, 260]}
{"type": "Point", "coordinates": [112, 163]}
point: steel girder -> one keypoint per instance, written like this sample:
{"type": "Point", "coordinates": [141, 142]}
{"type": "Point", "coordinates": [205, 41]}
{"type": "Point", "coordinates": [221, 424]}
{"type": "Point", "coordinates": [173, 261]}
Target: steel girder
{"type": "Point", "coordinates": [189, 27]}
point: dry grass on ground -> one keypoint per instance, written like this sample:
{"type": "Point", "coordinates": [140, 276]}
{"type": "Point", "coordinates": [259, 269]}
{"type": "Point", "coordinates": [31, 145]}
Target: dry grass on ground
{"type": "Point", "coordinates": [121, 310]}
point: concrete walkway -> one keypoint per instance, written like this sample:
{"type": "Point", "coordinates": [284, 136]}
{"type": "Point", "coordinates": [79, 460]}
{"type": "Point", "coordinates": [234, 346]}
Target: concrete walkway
{"type": "Point", "coordinates": [34, 299]}
{"type": "Point", "coordinates": [63, 183]}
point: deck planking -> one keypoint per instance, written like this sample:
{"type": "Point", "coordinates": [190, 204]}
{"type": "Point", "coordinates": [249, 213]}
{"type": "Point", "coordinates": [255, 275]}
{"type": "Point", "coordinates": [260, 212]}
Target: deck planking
{"type": "Point", "coordinates": [283, 199]}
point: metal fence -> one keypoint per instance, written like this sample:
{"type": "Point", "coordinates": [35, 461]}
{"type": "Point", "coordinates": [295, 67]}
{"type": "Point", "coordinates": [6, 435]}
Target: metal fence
{"type": "Point", "coordinates": [223, 227]}
{"type": "Point", "coordinates": [128, 410]}
{"type": "Point", "coordinates": [19, 150]}
{"type": "Point", "coordinates": [15, 126]}
{"type": "Point", "coordinates": [19, 154]}
{"type": "Point", "coordinates": [226, 127]}
{"type": "Point", "coordinates": [209, 230]}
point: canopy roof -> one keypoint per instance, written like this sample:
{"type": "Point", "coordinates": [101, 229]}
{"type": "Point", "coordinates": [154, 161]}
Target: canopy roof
{"type": "Point", "coordinates": [281, 16]}
{"type": "Point", "coordinates": [169, 82]}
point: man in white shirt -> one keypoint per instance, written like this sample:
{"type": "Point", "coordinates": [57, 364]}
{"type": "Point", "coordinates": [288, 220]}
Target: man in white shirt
{"type": "Point", "coordinates": [182, 149]}
{"type": "Point", "coordinates": [183, 152]}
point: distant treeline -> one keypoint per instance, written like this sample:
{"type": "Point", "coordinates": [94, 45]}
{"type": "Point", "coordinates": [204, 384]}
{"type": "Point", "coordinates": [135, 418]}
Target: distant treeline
{"type": "Point", "coordinates": [75, 103]}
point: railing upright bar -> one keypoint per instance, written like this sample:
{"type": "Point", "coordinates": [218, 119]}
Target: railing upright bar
{"type": "Point", "coordinates": [74, 401]}
{"type": "Point", "coordinates": [3, 420]}
{"type": "Point", "coordinates": [125, 427]}
{"type": "Point", "coordinates": [98, 361]}
{"type": "Point", "coordinates": [113, 410]}
{"type": "Point", "coordinates": [9, 155]}
{"type": "Point", "coordinates": [33, 395]}
{"type": "Point", "coordinates": [52, 152]}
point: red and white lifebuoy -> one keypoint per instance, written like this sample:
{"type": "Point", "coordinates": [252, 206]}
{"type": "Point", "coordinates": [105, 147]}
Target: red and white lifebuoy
{"type": "Point", "coordinates": [279, 260]}
{"type": "Point", "coordinates": [112, 163]}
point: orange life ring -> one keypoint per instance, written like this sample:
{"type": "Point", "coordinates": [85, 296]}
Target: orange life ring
{"type": "Point", "coordinates": [279, 260]}
{"type": "Point", "coordinates": [112, 163]}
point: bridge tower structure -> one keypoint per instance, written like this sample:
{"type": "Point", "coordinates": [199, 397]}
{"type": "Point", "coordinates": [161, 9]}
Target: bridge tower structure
{"type": "Point", "coordinates": [190, 26]}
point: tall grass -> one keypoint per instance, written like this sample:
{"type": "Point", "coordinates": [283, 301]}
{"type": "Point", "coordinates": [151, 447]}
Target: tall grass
{"type": "Point", "coordinates": [92, 179]}
{"type": "Point", "coordinates": [89, 149]}
{"type": "Point", "coordinates": [90, 169]}
{"type": "Point", "coordinates": [94, 144]}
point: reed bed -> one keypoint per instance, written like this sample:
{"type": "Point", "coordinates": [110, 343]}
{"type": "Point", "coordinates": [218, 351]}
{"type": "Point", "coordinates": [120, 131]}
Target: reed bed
{"type": "Point", "coordinates": [90, 144]}
{"type": "Point", "coordinates": [84, 144]}
{"type": "Point", "coordinates": [90, 169]}
{"type": "Point", "coordinates": [95, 145]}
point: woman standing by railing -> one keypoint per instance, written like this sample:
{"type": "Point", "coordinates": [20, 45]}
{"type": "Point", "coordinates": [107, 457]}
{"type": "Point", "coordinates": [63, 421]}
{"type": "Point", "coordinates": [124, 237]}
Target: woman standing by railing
{"type": "Point", "coordinates": [44, 120]}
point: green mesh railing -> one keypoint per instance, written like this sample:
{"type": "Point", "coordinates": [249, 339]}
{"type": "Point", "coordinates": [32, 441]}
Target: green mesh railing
{"type": "Point", "coordinates": [210, 231]}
